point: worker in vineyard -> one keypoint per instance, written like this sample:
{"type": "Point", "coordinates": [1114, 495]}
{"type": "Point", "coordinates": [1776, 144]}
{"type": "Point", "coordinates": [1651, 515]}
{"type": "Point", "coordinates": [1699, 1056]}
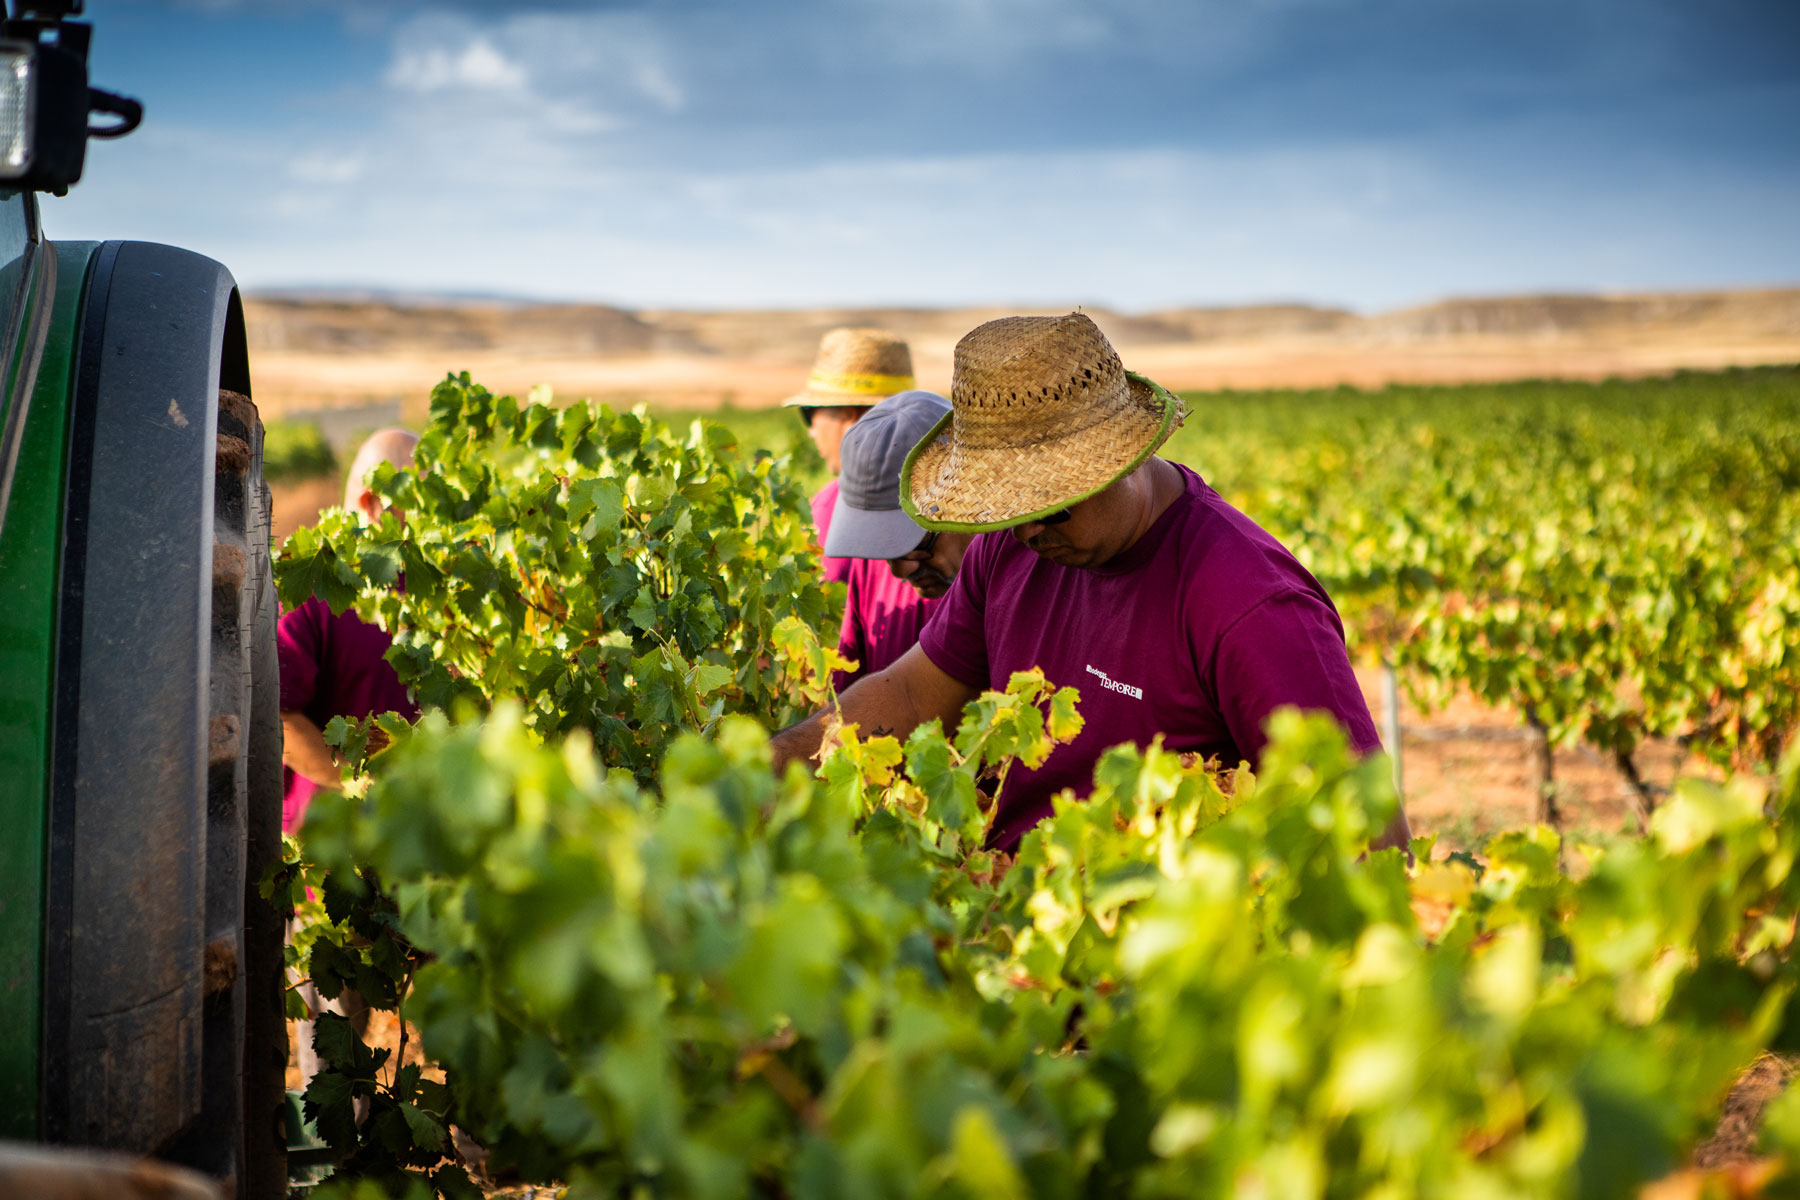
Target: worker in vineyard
{"type": "Point", "coordinates": [333, 665]}
{"type": "Point", "coordinates": [898, 569]}
{"type": "Point", "coordinates": [1113, 570]}
{"type": "Point", "coordinates": [855, 370]}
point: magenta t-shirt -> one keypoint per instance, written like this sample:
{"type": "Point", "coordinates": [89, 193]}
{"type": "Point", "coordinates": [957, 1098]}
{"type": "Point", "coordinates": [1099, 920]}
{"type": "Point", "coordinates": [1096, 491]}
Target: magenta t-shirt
{"type": "Point", "coordinates": [824, 503]}
{"type": "Point", "coordinates": [1199, 631]}
{"type": "Point", "coordinates": [332, 666]}
{"type": "Point", "coordinates": [882, 619]}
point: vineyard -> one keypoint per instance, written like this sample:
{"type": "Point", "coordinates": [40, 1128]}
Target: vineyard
{"type": "Point", "coordinates": [643, 965]}
{"type": "Point", "coordinates": [1615, 562]}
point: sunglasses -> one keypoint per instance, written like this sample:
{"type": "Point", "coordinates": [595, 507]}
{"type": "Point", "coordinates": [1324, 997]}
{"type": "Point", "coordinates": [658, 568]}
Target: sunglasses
{"type": "Point", "coordinates": [806, 413]}
{"type": "Point", "coordinates": [1055, 518]}
{"type": "Point", "coordinates": [921, 552]}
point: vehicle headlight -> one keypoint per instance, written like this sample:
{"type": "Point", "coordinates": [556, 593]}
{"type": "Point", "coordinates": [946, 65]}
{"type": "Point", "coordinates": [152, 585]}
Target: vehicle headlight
{"type": "Point", "coordinates": [45, 98]}
{"type": "Point", "coordinates": [17, 71]}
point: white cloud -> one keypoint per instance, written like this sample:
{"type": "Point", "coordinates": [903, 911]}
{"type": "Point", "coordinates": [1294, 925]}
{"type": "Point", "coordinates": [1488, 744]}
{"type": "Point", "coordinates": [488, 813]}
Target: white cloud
{"type": "Point", "coordinates": [655, 83]}
{"type": "Point", "coordinates": [477, 65]}
{"type": "Point", "coordinates": [531, 78]}
{"type": "Point", "coordinates": [617, 59]}
{"type": "Point", "coordinates": [327, 168]}
{"type": "Point", "coordinates": [562, 116]}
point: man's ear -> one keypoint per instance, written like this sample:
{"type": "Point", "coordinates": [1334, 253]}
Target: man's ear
{"type": "Point", "coordinates": [370, 505]}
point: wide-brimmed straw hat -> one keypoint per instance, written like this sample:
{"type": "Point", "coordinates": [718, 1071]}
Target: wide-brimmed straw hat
{"type": "Point", "coordinates": [1043, 415]}
{"type": "Point", "coordinates": [857, 367]}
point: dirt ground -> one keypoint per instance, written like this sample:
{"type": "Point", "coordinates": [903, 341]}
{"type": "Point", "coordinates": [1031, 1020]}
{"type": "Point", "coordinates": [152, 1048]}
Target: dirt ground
{"type": "Point", "coordinates": [300, 503]}
{"type": "Point", "coordinates": [1466, 772]}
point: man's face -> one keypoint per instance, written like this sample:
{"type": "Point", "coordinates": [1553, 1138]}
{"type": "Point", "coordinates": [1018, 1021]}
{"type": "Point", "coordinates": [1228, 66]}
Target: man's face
{"type": "Point", "coordinates": [828, 426]}
{"type": "Point", "coordinates": [931, 567]}
{"type": "Point", "coordinates": [1095, 531]}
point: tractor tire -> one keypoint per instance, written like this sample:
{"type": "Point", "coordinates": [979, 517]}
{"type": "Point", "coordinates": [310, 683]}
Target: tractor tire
{"type": "Point", "coordinates": [164, 1024]}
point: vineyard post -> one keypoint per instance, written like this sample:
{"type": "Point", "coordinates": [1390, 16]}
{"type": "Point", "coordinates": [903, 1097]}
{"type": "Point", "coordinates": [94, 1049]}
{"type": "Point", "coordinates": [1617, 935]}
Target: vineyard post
{"type": "Point", "coordinates": [1643, 799]}
{"type": "Point", "coordinates": [1543, 772]}
{"type": "Point", "coordinates": [1390, 718]}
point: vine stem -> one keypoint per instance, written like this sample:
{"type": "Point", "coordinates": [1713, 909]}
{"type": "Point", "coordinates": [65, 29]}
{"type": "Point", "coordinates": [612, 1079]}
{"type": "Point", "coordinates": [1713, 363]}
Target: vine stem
{"type": "Point", "coordinates": [400, 1016]}
{"type": "Point", "coordinates": [792, 1092]}
{"type": "Point", "coordinates": [1644, 798]}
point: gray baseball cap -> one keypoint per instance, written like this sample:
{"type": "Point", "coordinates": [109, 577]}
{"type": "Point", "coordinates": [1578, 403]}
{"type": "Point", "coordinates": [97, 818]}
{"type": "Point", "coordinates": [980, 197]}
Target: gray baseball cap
{"type": "Point", "coordinates": [868, 521]}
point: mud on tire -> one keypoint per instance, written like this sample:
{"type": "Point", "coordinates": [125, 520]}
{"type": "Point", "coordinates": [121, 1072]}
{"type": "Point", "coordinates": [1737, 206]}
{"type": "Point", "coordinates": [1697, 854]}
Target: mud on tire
{"type": "Point", "coordinates": [245, 1038]}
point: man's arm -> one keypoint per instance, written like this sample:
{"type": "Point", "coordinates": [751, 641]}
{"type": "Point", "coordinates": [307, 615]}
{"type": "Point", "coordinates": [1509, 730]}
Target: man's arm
{"type": "Point", "coordinates": [1290, 650]}
{"type": "Point", "coordinates": [303, 751]}
{"type": "Point", "coordinates": [891, 702]}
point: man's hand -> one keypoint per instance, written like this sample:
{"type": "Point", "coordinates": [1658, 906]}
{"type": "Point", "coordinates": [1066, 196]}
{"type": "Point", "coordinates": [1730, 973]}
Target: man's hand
{"type": "Point", "coordinates": [303, 751]}
{"type": "Point", "coordinates": [891, 702]}
{"type": "Point", "coordinates": [1398, 835]}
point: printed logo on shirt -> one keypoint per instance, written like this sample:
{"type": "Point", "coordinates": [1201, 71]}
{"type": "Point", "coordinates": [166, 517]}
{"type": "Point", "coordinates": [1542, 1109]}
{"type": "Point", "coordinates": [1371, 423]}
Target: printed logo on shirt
{"type": "Point", "coordinates": [1107, 681]}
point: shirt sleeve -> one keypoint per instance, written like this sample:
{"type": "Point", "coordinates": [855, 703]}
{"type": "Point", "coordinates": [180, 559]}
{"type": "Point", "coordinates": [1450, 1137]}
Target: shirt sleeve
{"type": "Point", "coordinates": [824, 504]}
{"type": "Point", "coordinates": [298, 646]}
{"type": "Point", "coordinates": [852, 640]}
{"type": "Point", "coordinates": [1288, 650]}
{"type": "Point", "coordinates": [955, 637]}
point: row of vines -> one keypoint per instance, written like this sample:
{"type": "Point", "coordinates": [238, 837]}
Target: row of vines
{"type": "Point", "coordinates": [643, 965]}
{"type": "Point", "coordinates": [1615, 562]}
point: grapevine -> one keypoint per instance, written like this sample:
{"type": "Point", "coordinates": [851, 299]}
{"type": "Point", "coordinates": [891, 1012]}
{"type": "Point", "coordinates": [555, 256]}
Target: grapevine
{"type": "Point", "coordinates": [646, 965]}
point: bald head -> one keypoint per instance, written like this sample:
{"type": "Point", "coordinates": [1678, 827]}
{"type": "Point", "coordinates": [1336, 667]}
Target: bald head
{"type": "Point", "coordinates": [384, 446]}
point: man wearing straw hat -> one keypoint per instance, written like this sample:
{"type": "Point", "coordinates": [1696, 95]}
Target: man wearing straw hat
{"type": "Point", "coordinates": [855, 370]}
{"type": "Point", "coordinates": [1114, 570]}
{"type": "Point", "coordinates": [899, 570]}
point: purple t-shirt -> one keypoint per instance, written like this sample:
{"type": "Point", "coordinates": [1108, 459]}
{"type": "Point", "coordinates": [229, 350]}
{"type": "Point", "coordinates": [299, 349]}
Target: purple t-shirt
{"type": "Point", "coordinates": [882, 619]}
{"type": "Point", "coordinates": [1199, 631]}
{"type": "Point", "coordinates": [332, 667]}
{"type": "Point", "coordinates": [824, 503]}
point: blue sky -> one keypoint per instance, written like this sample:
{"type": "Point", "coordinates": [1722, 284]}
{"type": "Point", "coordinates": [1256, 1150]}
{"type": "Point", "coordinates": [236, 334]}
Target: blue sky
{"type": "Point", "coordinates": [719, 153]}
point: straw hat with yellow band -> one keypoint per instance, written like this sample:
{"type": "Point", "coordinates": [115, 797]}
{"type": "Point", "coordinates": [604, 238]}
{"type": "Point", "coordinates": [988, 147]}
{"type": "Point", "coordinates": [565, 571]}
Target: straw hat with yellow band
{"type": "Point", "coordinates": [1043, 415]}
{"type": "Point", "coordinates": [856, 368]}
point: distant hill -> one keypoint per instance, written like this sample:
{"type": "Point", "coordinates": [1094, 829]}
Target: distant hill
{"type": "Point", "coordinates": [1770, 312]}
{"type": "Point", "coordinates": [368, 326]}
{"type": "Point", "coordinates": [393, 322]}
{"type": "Point", "coordinates": [347, 348]}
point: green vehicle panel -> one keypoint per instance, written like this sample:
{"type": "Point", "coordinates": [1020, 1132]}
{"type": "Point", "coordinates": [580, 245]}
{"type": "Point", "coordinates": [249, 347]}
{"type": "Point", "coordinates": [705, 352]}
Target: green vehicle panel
{"type": "Point", "coordinates": [42, 329]}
